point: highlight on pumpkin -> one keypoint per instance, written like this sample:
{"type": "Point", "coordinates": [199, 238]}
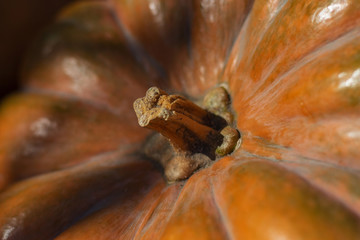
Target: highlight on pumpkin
{"type": "Point", "coordinates": [75, 164]}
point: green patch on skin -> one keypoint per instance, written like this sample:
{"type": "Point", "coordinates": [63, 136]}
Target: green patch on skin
{"type": "Point", "coordinates": [350, 180]}
{"type": "Point", "coordinates": [352, 95]}
{"type": "Point", "coordinates": [230, 141]}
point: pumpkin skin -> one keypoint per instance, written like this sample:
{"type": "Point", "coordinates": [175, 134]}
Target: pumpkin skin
{"type": "Point", "coordinates": [20, 27]}
{"type": "Point", "coordinates": [71, 163]}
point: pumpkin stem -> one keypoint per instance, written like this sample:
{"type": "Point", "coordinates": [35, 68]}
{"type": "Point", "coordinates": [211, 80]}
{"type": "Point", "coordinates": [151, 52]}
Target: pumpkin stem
{"type": "Point", "coordinates": [190, 129]}
{"type": "Point", "coordinates": [185, 124]}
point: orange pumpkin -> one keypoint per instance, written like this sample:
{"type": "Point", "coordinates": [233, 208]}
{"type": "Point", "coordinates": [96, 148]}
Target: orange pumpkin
{"type": "Point", "coordinates": [71, 158]}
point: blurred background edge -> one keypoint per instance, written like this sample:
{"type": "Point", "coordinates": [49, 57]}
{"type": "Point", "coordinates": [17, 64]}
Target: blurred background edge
{"type": "Point", "coordinates": [21, 21]}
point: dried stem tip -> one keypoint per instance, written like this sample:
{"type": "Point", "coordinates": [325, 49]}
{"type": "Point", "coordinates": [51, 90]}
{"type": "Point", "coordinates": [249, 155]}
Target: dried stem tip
{"type": "Point", "coordinates": [188, 127]}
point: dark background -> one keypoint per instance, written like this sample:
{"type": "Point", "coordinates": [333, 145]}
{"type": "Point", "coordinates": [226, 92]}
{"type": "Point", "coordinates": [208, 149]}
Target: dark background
{"type": "Point", "coordinates": [20, 22]}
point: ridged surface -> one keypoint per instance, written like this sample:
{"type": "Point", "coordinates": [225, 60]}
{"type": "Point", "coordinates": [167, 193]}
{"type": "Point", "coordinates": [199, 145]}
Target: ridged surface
{"type": "Point", "coordinates": [69, 161]}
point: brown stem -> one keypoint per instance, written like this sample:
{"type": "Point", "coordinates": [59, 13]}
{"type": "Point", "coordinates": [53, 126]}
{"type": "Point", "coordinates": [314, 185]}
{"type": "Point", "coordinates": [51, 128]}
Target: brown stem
{"type": "Point", "coordinates": [186, 125]}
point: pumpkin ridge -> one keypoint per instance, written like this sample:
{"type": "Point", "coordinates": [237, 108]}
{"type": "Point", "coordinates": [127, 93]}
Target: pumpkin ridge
{"type": "Point", "coordinates": [154, 219]}
{"type": "Point", "coordinates": [264, 31]}
{"type": "Point", "coordinates": [176, 201]}
{"type": "Point", "coordinates": [69, 197]}
{"type": "Point", "coordinates": [87, 55]}
{"type": "Point", "coordinates": [328, 194]}
{"type": "Point", "coordinates": [138, 51]}
{"type": "Point", "coordinates": [147, 216]}
{"type": "Point", "coordinates": [278, 154]}
{"type": "Point", "coordinates": [103, 132]}
{"type": "Point", "coordinates": [322, 48]}
{"type": "Point", "coordinates": [143, 206]}
{"type": "Point", "coordinates": [323, 190]}
{"type": "Point", "coordinates": [286, 43]}
{"type": "Point", "coordinates": [309, 180]}
{"type": "Point", "coordinates": [223, 220]}
{"type": "Point", "coordinates": [303, 60]}
{"type": "Point", "coordinates": [295, 157]}
{"type": "Point", "coordinates": [125, 199]}
{"type": "Point", "coordinates": [333, 45]}
{"type": "Point", "coordinates": [142, 229]}
{"type": "Point", "coordinates": [263, 84]}
{"type": "Point", "coordinates": [197, 209]}
{"type": "Point", "coordinates": [234, 53]}
{"type": "Point", "coordinates": [72, 98]}
{"type": "Point", "coordinates": [262, 185]}
{"type": "Point", "coordinates": [233, 45]}
{"type": "Point", "coordinates": [69, 170]}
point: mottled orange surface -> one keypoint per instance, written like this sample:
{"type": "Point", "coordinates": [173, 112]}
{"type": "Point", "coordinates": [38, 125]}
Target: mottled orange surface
{"type": "Point", "coordinates": [70, 161]}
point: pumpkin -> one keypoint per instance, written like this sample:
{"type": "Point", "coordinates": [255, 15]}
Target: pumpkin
{"type": "Point", "coordinates": [72, 164]}
{"type": "Point", "coordinates": [20, 26]}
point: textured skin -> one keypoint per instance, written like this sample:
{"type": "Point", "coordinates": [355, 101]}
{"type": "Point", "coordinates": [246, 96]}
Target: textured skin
{"type": "Point", "coordinates": [70, 164]}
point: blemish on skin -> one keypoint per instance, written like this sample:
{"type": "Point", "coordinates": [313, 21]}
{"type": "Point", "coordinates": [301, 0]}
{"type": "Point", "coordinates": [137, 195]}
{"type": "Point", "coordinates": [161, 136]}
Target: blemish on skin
{"type": "Point", "coordinates": [352, 79]}
{"type": "Point", "coordinates": [82, 76]}
{"type": "Point", "coordinates": [42, 127]}
{"type": "Point", "coordinates": [329, 12]}
{"type": "Point", "coordinates": [202, 74]}
{"type": "Point", "coordinates": [353, 134]}
{"type": "Point", "coordinates": [207, 6]}
{"type": "Point", "coordinates": [155, 9]}
{"type": "Point", "coordinates": [7, 232]}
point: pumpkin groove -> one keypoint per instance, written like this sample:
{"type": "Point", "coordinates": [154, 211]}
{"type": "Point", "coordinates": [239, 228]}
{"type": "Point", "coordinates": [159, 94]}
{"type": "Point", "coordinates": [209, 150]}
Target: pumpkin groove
{"type": "Point", "coordinates": [72, 162]}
